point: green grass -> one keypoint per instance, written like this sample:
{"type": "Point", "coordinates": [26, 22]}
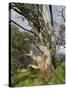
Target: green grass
{"type": "Point", "coordinates": [59, 75]}
{"type": "Point", "coordinates": [31, 78]}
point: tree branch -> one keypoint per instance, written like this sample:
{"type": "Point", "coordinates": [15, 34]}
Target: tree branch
{"type": "Point", "coordinates": [23, 28]}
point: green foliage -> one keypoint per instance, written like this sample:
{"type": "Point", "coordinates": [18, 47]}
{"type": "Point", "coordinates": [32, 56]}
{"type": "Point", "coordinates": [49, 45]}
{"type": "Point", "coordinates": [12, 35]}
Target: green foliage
{"type": "Point", "coordinates": [59, 75]}
{"type": "Point", "coordinates": [20, 45]}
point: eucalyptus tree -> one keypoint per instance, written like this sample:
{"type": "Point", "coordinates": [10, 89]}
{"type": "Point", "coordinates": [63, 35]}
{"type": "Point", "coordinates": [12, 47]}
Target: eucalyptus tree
{"type": "Point", "coordinates": [40, 18]}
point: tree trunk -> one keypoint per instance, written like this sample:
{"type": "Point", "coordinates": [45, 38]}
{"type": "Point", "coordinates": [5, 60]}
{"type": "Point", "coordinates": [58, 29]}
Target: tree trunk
{"type": "Point", "coordinates": [45, 64]}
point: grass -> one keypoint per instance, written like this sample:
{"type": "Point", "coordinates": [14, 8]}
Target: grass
{"type": "Point", "coordinates": [31, 78]}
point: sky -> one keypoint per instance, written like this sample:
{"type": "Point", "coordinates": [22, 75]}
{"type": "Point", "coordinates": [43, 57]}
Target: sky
{"type": "Point", "coordinates": [56, 16]}
{"type": "Point", "coordinates": [17, 18]}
